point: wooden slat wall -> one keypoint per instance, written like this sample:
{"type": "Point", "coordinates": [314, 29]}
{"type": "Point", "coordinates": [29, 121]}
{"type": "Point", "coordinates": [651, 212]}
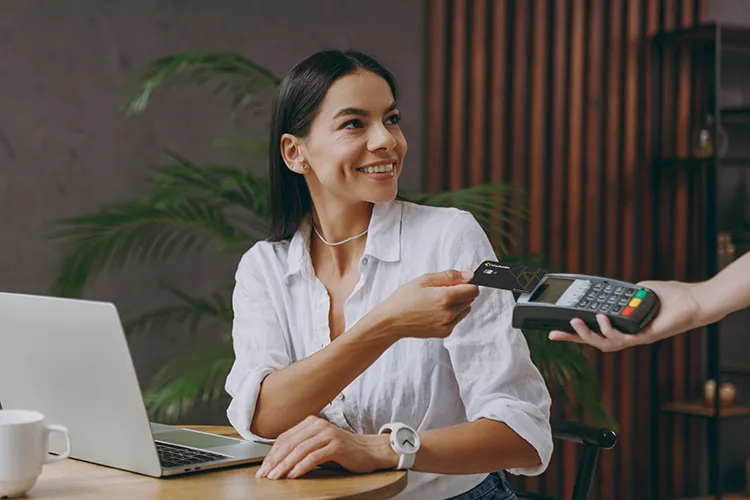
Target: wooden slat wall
{"type": "Point", "coordinates": [680, 257]}
{"type": "Point", "coordinates": [553, 96]}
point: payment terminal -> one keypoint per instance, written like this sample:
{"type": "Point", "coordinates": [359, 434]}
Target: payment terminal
{"type": "Point", "coordinates": [548, 301]}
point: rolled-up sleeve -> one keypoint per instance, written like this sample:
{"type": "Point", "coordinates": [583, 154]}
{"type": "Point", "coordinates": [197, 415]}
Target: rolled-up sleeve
{"type": "Point", "coordinates": [491, 359]}
{"type": "Point", "coordinates": [260, 345]}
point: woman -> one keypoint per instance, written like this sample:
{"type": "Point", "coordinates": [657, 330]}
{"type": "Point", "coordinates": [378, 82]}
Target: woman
{"type": "Point", "coordinates": [683, 307]}
{"type": "Point", "coordinates": [353, 320]}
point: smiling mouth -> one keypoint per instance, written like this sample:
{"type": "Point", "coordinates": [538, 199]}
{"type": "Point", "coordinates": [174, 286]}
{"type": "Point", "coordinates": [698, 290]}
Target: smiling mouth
{"type": "Point", "coordinates": [377, 169]}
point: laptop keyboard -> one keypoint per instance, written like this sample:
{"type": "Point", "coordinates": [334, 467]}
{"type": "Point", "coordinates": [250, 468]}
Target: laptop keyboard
{"type": "Point", "coordinates": [176, 456]}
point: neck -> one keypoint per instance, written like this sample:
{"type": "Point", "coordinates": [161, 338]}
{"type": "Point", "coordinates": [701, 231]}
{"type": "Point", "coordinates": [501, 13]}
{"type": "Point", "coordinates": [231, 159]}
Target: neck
{"type": "Point", "coordinates": [336, 223]}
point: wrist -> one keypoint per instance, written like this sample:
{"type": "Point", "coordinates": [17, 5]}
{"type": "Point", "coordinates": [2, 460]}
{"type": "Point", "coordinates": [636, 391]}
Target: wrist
{"type": "Point", "coordinates": [707, 301]}
{"type": "Point", "coordinates": [384, 455]}
{"type": "Point", "coordinates": [378, 326]}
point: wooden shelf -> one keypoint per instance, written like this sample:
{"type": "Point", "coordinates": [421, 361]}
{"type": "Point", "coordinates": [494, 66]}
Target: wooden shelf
{"type": "Point", "coordinates": [732, 36]}
{"type": "Point", "coordinates": [699, 410]}
{"type": "Point", "coordinates": [724, 496]}
{"type": "Point", "coordinates": [736, 370]}
{"type": "Point", "coordinates": [735, 114]}
{"type": "Point", "coordinates": [741, 238]}
{"type": "Point", "coordinates": [698, 162]}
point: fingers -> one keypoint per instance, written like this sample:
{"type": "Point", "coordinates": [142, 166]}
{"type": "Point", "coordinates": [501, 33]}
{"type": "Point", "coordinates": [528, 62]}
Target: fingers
{"type": "Point", "coordinates": [609, 340]}
{"type": "Point", "coordinates": [586, 334]}
{"type": "Point", "coordinates": [302, 427]}
{"type": "Point", "coordinates": [616, 339]}
{"type": "Point", "coordinates": [299, 453]}
{"type": "Point", "coordinates": [447, 278]}
{"type": "Point", "coordinates": [318, 457]}
{"type": "Point", "coordinates": [461, 315]}
{"type": "Point", "coordinates": [567, 337]}
{"type": "Point", "coordinates": [286, 442]}
{"type": "Point", "coordinates": [462, 293]}
{"type": "Point", "coordinates": [605, 326]}
{"type": "Point", "coordinates": [312, 443]}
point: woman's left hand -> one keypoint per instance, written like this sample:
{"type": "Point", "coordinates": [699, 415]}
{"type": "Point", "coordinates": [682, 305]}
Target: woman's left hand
{"type": "Point", "coordinates": [314, 442]}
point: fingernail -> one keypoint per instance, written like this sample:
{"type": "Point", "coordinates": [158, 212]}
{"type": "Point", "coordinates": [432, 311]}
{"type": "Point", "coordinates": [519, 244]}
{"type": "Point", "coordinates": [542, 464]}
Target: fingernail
{"type": "Point", "coordinates": [467, 274]}
{"type": "Point", "coordinates": [273, 474]}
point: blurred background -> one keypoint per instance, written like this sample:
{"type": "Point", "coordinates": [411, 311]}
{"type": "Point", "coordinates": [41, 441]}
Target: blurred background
{"type": "Point", "coordinates": [621, 127]}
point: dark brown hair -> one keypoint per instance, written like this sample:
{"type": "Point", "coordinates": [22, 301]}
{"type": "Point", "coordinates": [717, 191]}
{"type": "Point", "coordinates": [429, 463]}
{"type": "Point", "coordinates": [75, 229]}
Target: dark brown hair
{"type": "Point", "coordinates": [296, 104]}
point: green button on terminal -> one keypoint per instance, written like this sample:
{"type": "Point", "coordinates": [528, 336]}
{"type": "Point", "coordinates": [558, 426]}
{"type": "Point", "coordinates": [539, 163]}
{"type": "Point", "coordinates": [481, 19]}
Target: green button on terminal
{"type": "Point", "coordinates": [641, 294]}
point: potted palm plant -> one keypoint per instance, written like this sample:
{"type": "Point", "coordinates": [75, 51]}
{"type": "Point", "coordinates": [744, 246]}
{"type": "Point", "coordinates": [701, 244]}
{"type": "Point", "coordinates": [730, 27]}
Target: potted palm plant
{"type": "Point", "coordinates": [224, 208]}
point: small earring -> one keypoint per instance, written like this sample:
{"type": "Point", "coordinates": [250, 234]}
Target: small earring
{"type": "Point", "coordinates": [303, 166]}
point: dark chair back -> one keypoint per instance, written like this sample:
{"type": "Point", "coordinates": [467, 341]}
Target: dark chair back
{"type": "Point", "coordinates": [593, 439]}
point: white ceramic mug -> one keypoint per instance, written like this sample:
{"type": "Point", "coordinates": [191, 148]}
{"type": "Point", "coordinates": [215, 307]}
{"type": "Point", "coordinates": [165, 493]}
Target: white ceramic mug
{"type": "Point", "coordinates": [24, 443]}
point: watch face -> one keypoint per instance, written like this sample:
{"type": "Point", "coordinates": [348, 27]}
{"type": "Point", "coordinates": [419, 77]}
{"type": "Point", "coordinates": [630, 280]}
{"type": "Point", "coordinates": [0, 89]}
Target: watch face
{"type": "Point", "coordinates": [407, 440]}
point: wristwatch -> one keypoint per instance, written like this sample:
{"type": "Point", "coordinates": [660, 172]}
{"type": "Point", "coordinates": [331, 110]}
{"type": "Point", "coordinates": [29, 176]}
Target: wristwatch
{"type": "Point", "coordinates": [404, 441]}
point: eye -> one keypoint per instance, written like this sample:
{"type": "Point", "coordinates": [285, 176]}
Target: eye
{"type": "Point", "coordinates": [355, 123]}
{"type": "Point", "coordinates": [394, 119]}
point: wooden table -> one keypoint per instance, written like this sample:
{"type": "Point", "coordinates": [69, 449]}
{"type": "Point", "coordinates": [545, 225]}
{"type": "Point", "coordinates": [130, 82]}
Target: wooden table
{"type": "Point", "coordinates": [72, 479]}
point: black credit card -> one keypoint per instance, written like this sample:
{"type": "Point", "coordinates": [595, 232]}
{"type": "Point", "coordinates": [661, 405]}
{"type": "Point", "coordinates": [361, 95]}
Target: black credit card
{"type": "Point", "coordinates": [513, 277]}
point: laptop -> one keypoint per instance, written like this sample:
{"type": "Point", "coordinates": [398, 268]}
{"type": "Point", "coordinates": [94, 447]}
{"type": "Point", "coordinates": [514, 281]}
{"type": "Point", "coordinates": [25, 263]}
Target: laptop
{"type": "Point", "coordinates": [69, 359]}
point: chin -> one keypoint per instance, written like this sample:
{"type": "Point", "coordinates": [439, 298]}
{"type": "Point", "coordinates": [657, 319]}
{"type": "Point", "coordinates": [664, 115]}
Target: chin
{"type": "Point", "coordinates": [383, 196]}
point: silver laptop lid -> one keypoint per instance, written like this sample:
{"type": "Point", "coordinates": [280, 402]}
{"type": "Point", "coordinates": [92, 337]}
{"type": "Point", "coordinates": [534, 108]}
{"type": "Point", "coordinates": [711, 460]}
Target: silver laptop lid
{"type": "Point", "coordinates": [69, 359]}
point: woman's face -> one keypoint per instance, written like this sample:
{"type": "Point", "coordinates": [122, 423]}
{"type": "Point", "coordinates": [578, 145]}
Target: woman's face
{"type": "Point", "coordinates": [355, 148]}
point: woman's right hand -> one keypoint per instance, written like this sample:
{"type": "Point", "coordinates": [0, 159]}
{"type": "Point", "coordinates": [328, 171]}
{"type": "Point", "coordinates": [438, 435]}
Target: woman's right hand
{"type": "Point", "coordinates": [428, 306]}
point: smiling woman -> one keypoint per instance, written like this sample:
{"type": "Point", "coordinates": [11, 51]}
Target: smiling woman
{"type": "Point", "coordinates": [338, 124]}
{"type": "Point", "coordinates": [355, 321]}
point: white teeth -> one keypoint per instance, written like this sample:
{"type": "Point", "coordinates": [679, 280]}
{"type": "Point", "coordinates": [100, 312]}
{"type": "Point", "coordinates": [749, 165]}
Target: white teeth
{"type": "Point", "coordinates": [377, 169]}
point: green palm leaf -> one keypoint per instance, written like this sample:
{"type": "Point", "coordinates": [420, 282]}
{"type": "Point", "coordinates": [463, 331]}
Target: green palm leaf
{"type": "Point", "coordinates": [242, 78]}
{"type": "Point", "coordinates": [196, 375]}
{"type": "Point", "coordinates": [185, 181]}
{"type": "Point", "coordinates": [142, 232]}
{"type": "Point", "coordinates": [192, 310]}
{"type": "Point", "coordinates": [496, 207]}
{"type": "Point", "coordinates": [570, 377]}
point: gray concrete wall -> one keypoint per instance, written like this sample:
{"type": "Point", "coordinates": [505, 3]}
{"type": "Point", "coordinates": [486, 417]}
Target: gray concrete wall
{"type": "Point", "coordinates": [66, 148]}
{"type": "Point", "coordinates": [735, 12]}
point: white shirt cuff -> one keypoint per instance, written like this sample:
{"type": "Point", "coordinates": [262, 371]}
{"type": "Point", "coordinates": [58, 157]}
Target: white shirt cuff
{"type": "Point", "coordinates": [244, 400]}
{"type": "Point", "coordinates": [537, 431]}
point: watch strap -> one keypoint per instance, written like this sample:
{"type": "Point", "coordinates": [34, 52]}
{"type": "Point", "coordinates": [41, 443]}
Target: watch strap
{"type": "Point", "coordinates": [405, 460]}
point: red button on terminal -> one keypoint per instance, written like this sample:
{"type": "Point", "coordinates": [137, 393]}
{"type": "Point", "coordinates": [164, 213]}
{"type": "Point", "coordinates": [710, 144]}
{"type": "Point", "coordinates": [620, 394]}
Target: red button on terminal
{"type": "Point", "coordinates": [628, 311]}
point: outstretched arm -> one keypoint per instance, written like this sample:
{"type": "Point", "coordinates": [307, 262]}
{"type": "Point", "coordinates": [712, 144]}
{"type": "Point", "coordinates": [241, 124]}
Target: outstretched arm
{"type": "Point", "coordinates": [684, 306]}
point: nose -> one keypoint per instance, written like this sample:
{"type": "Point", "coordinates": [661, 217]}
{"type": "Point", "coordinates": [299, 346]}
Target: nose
{"type": "Point", "coordinates": [381, 138]}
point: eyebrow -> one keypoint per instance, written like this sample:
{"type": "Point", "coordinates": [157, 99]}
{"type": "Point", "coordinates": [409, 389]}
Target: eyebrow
{"type": "Point", "coordinates": [360, 112]}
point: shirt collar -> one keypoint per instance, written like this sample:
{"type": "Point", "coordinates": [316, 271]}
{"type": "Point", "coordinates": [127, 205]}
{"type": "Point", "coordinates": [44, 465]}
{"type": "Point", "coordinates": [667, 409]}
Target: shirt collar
{"type": "Point", "coordinates": [298, 257]}
{"type": "Point", "coordinates": [383, 239]}
{"type": "Point", "coordinates": [384, 232]}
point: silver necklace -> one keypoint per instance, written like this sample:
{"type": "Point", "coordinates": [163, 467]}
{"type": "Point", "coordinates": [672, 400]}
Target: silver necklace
{"type": "Point", "coordinates": [338, 242]}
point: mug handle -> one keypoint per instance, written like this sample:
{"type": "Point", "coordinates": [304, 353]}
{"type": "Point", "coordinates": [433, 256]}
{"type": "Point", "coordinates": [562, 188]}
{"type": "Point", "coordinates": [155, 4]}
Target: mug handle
{"type": "Point", "coordinates": [63, 430]}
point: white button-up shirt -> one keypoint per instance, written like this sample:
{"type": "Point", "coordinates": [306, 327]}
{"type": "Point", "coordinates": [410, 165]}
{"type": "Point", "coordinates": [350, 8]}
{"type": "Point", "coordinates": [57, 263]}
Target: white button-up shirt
{"type": "Point", "coordinates": [482, 370]}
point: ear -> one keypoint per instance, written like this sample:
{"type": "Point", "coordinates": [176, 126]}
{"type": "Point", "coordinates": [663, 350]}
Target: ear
{"type": "Point", "coordinates": [291, 152]}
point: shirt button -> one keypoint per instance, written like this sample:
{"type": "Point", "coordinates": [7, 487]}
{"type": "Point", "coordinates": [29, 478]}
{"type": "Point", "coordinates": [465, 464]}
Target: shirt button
{"type": "Point", "coordinates": [364, 261]}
